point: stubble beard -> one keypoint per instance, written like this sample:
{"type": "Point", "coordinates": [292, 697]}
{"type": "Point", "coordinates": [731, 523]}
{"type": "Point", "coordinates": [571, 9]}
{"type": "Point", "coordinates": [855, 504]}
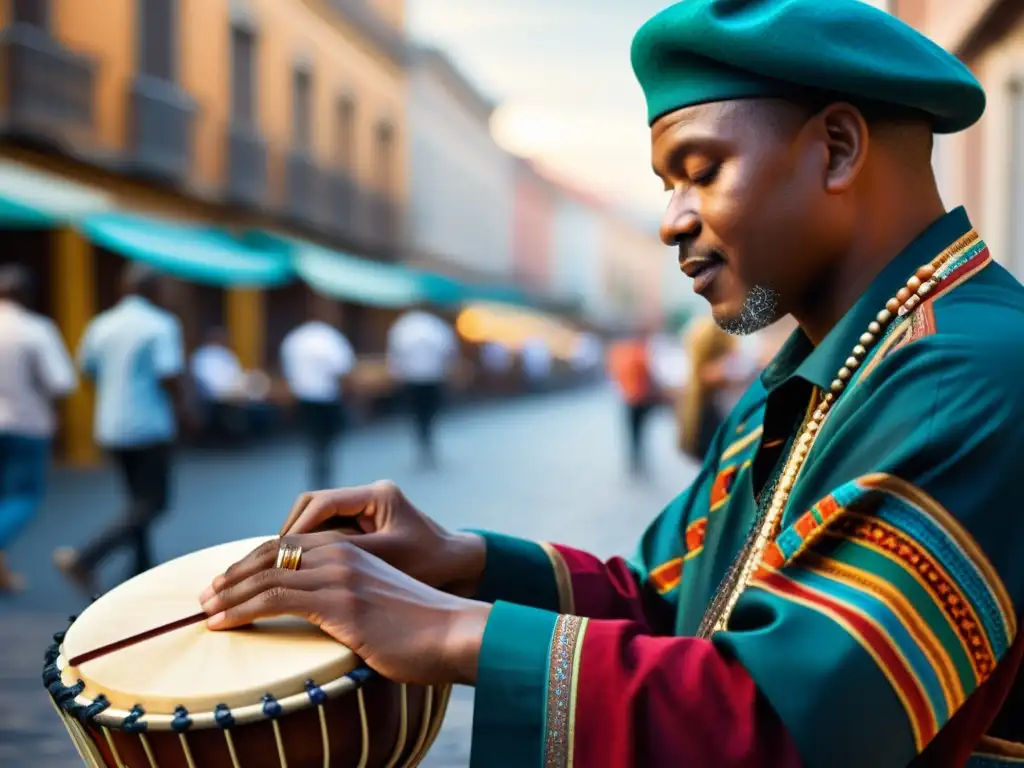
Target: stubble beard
{"type": "Point", "coordinates": [760, 310]}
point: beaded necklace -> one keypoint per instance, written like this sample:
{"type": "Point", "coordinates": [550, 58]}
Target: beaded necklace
{"type": "Point", "coordinates": [766, 524]}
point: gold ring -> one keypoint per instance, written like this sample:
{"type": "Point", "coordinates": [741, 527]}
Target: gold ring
{"type": "Point", "coordinates": [289, 557]}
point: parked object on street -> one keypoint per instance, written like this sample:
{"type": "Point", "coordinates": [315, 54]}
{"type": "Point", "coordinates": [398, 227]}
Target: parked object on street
{"type": "Point", "coordinates": [283, 693]}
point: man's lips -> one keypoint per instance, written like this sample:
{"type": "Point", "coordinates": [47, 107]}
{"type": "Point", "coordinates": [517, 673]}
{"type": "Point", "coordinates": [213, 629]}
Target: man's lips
{"type": "Point", "coordinates": [702, 270]}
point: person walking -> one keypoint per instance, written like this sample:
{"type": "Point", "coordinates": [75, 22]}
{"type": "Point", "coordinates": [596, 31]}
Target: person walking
{"type": "Point", "coordinates": [35, 370]}
{"type": "Point", "coordinates": [135, 355]}
{"type": "Point", "coordinates": [315, 359]}
{"type": "Point", "coordinates": [421, 350]}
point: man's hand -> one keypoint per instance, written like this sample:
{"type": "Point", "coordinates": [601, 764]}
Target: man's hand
{"type": "Point", "coordinates": [402, 628]}
{"type": "Point", "coordinates": [396, 532]}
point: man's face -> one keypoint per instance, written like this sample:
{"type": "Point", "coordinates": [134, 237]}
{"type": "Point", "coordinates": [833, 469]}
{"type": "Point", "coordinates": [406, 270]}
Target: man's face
{"type": "Point", "coordinates": [747, 207]}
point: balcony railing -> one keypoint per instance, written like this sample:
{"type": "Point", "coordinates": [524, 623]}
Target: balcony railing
{"type": "Point", "coordinates": [303, 203]}
{"type": "Point", "coordinates": [383, 222]}
{"type": "Point", "coordinates": [50, 89]}
{"type": "Point", "coordinates": [160, 120]}
{"type": "Point", "coordinates": [246, 166]}
{"type": "Point", "coordinates": [341, 214]}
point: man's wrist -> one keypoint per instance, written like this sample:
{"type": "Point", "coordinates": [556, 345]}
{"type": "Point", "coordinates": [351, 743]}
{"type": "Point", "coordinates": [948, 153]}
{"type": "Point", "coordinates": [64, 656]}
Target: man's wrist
{"type": "Point", "coordinates": [467, 553]}
{"type": "Point", "coordinates": [465, 640]}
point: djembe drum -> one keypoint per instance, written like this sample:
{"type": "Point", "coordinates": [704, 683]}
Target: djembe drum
{"type": "Point", "coordinates": [280, 692]}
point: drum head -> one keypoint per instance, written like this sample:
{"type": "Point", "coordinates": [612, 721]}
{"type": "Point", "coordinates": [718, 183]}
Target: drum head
{"type": "Point", "coordinates": [193, 666]}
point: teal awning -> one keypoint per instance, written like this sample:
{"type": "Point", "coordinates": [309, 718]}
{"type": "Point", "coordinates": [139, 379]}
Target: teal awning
{"type": "Point", "coordinates": [35, 199]}
{"type": "Point", "coordinates": [360, 281]}
{"type": "Point", "coordinates": [196, 254]}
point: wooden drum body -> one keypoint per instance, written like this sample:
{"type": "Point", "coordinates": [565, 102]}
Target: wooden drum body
{"type": "Point", "coordinates": [280, 693]}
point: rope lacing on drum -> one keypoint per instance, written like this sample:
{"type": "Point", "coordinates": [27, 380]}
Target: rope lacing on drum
{"type": "Point", "coordinates": [181, 722]}
{"type": "Point", "coordinates": [131, 723]}
{"type": "Point", "coordinates": [271, 708]}
{"type": "Point", "coordinates": [222, 715]}
{"type": "Point", "coordinates": [315, 692]}
{"type": "Point", "coordinates": [65, 695]}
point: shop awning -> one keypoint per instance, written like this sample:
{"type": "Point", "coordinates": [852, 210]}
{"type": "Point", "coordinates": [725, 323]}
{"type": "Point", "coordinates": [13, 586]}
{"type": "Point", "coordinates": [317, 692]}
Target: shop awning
{"type": "Point", "coordinates": [35, 199]}
{"type": "Point", "coordinates": [360, 281]}
{"type": "Point", "coordinates": [197, 254]}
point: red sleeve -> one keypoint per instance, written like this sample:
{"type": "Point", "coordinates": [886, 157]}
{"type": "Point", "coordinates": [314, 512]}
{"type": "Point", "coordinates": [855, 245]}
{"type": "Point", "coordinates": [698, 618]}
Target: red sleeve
{"type": "Point", "coordinates": [648, 702]}
{"type": "Point", "coordinates": [557, 690]}
{"type": "Point", "coordinates": [613, 590]}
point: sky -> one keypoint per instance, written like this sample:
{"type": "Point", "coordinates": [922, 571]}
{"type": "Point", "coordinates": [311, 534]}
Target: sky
{"type": "Point", "coordinates": [561, 71]}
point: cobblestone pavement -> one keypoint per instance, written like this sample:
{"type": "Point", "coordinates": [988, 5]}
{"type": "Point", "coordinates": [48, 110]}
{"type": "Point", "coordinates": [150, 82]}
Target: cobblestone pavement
{"type": "Point", "coordinates": [550, 468]}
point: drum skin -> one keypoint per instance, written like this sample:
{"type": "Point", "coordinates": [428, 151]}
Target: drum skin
{"type": "Point", "coordinates": [256, 747]}
{"type": "Point", "coordinates": [236, 699]}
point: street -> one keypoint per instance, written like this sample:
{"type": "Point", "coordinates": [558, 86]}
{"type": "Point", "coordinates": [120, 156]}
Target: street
{"type": "Point", "coordinates": [551, 467]}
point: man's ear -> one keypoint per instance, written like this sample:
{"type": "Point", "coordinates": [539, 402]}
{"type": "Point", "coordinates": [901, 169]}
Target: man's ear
{"type": "Point", "coordinates": [846, 142]}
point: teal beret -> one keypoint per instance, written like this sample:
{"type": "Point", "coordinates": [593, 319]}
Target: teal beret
{"type": "Point", "coordinates": [700, 51]}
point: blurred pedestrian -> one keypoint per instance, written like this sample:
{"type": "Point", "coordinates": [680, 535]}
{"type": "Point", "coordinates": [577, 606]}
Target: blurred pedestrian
{"type": "Point", "coordinates": [35, 370]}
{"type": "Point", "coordinates": [315, 359]}
{"type": "Point", "coordinates": [706, 398]}
{"type": "Point", "coordinates": [629, 364]}
{"type": "Point", "coordinates": [422, 348]}
{"type": "Point", "coordinates": [219, 379]}
{"type": "Point", "coordinates": [135, 355]}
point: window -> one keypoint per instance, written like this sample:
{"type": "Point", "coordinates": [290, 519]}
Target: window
{"type": "Point", "coordinates": [346, 132]}
{"type": "Point", "coordinates": [157, 38]}
{"type": "Point", "coordinates": [385, 154]}
{"type": "Point", "coordinates": [243, 75]}
{"type": "Point", "coordinates": [302, 109]}
{"type": "Point", "coordinates": [34, 12]}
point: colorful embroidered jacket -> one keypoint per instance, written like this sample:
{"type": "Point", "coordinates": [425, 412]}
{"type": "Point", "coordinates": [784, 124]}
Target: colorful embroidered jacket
{"type": "Point", "coordinates": [881, 628]}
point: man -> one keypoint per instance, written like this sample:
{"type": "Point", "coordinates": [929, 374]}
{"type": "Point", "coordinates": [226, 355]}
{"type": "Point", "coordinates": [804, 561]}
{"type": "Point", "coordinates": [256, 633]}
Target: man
{"type": "Point", "coordinates": [315, 358]}
{"type": "Point", "coordinates": [35, 370]}
{"type": "Point", "coordinates": [219, 378]}
{"type": "Point", "coordinates": [421, 350]}
{"type": "Point", "coordinates": [841, 585]}
{"type": "Point", "coordinates": [134, 353]}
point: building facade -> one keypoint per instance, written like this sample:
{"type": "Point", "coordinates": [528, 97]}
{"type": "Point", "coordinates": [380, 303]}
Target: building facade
{"type": "Point", "coordinates": [240, 113]}
{"type": "Point", "coordinates": [633, 259]}
{"type": "Point", "coordinates": [533, 228]}
{"type": "Point", "coordinates": [578, 232]}
{"type": "Point", "coordinates": [462, 185]}
{"type": "Point", "coordinates": [983, 168]}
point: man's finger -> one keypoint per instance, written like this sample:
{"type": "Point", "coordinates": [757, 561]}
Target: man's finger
{"type": "Point", "coordinates": [344, 502]}
{"type": "Point", "coordinates": [281, 601]}
{"type": "Point", "coordinates": [264, 557]}
{"type": "Point", "coordinates": [300, 504]}
{"type": "Point", "coordinates": [308, 577]}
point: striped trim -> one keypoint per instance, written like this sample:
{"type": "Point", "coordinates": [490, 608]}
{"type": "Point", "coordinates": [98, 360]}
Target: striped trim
{"type": "Point", "coordinates": [563, 579]}
{"type": "Point", "coordinates": [936, 521]}
{"type": "Point", "coordinates": [667, 576]}
{"type": "Point", "coordinates": [940, 616]}
{"type": "Point", "coordinates": [879, 598]}
{"type": "Point", "coordinates": [721, 489]}
{"type": "Point", "coordinates": [739, 445]}
{"type": "Point", "coordinates": [563, 673]}
{"type": "Point", "coordinates": [972, 258]}
{"type": "Point", "coordinates": [871, 636]}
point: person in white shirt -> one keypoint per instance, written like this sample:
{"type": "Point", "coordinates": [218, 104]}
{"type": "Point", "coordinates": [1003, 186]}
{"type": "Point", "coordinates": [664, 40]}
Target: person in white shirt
{"type": "Point", "coordinates": [536, 358]}
{"type": "Point", "coordinates": [35, 370]}
{"type": "Point", "coordinates": [219, 380]}
{"type": "Point", "coordinates": [315, 358]}
{"type": "Point", "coordinates": [135, 354]}
{"type": "Point", "coordinates": [421, 350]}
